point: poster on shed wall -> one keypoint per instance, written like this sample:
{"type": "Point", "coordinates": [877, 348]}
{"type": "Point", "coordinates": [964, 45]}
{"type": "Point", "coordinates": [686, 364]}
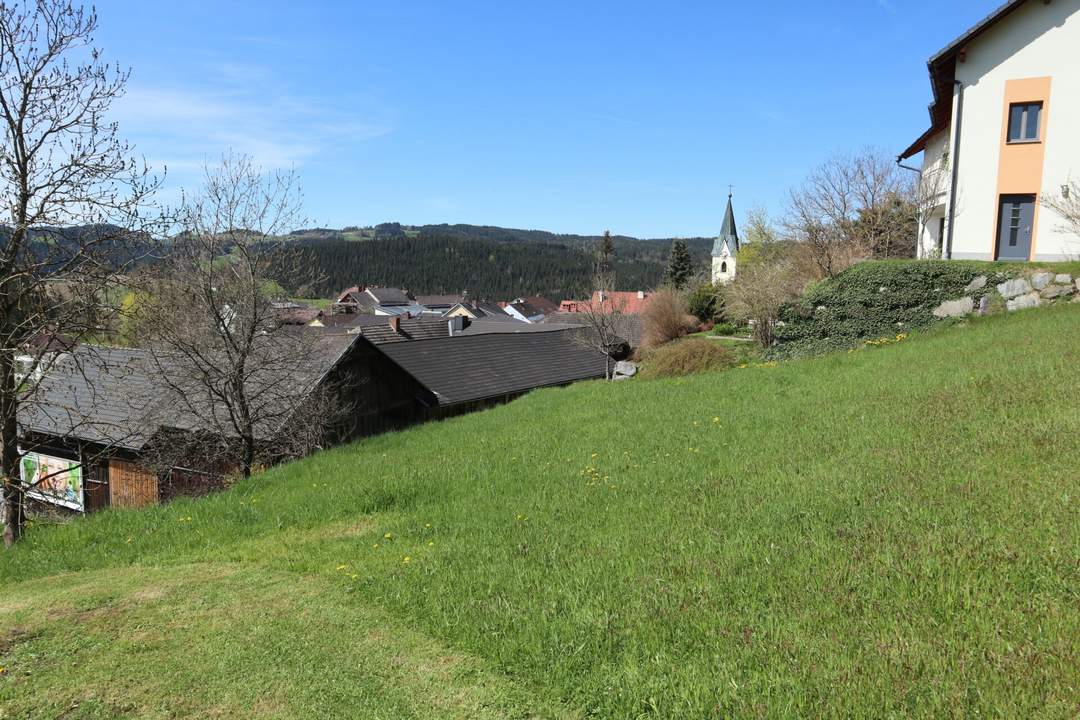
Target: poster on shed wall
{"type": "Point", "coordinates": [62, 484]}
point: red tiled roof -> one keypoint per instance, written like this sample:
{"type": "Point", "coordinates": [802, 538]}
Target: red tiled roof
{"type": "Point", "coordinates": [630, 302]}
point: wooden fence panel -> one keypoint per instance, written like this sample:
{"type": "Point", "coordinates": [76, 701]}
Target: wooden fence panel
{"type": "Point", "coordinates": [131, 486]}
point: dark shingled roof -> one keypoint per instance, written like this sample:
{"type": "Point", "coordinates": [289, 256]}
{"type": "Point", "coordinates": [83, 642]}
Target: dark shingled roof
{"type": "Point", "coordinates": [109, 395]}
{"type": "Point", "coordinates": [541, 303]}
{"type": "Point", "coordinates": [419, 328]}
{"type": "Point", "coordinates": [439, 300]}
{"type": "Point", "coordinates": [630, 324]}
{"type": "Point", "coordinates": [467, 368]}
{"type": "Point", "coordinates": [389, 296]}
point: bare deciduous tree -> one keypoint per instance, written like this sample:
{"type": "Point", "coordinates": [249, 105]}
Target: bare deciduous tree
{"type": "Point", "coordinates": [244, 381]}
{"type": "Point", "coordinates": [758, 293]}
{"type": "Point", "coordinates": [607, 326]}
{"type": "Point", "coordinates": [1066, 204]}
{"type": "Point", "coordinates": [929, 193]}
{"type": "Point", "coordinates": [62, 164]}
{"type": "Point", "coordinates": [850, 208]}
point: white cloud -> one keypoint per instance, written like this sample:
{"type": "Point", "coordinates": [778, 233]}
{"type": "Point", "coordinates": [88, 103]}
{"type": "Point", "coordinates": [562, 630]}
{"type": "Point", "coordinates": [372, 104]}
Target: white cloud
{"type": "Point", "coordinates": [239, 110]}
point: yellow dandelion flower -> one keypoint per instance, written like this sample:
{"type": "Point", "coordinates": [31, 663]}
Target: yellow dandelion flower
{"type": "Point", "coordinates": [387, 536]}
{"type": "Point", "coordinates": [406, 560]}
{"type": "Point", "coordinates": [431, 543]}
{"type": "Point", "coordinates": [376, 546]}
{"type": "Point", "coordinates": [354, 576]}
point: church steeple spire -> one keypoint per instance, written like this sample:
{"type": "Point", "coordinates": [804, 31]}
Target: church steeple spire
{"type": "Point", "coordinates": [726, 247]}
{"type": "Point", "coordinates": [729, 235]}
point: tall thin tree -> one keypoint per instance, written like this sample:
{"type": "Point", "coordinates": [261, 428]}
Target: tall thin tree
{"type": "Point", "coordinates": [680, 268]}
{"type": "Point", "coordinates": [62, 164]}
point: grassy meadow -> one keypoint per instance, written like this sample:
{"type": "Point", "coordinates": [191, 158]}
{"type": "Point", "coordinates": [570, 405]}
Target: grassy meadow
{"type": "Point", "coordinates": [892, 532]}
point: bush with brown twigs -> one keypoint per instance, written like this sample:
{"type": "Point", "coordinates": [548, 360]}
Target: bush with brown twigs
{"type": "Point", "coordinates": [665, 318]}
{"type": "Point", "coordinates": [687, 357]}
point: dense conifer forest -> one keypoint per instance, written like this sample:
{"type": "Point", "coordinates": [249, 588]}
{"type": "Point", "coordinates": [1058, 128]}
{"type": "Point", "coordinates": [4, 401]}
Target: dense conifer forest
{"type": "Point", "coordinates": [488, 262]}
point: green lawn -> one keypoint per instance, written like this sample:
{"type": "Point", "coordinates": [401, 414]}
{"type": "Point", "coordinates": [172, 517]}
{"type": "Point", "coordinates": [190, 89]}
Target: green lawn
{"type": "Point", "coordinates": [317, 303]}
{"type": "Point", "coordinates": [893, 532]}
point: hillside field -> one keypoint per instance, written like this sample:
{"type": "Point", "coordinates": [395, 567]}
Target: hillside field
{"type": "Point", "coordinates": [891, 532]}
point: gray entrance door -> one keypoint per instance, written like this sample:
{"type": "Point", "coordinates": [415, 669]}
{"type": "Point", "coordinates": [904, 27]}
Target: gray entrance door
{"type": "Point", "coordinates": [1016, 218]}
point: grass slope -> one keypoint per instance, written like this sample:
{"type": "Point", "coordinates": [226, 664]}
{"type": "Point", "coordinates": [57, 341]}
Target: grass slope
{"type": "Point", "coordinates": [891, 532]}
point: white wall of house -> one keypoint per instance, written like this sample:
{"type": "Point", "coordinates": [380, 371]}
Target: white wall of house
{"type": "Point", "coordinates": [1037, 40]}
{"type": "Point", "coordinates": [935, 196]}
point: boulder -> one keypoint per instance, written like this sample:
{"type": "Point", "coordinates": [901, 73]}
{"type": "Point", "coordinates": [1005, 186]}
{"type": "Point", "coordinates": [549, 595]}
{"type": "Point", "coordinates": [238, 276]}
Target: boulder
{"type": "Point", "coordinates": [984, 304]}
{"type": "Point", "coordinates": [1063, 279]}
{"type": "Point", "coordinates": [1029, 300]}
{"type": "Point", "coordinates": [1041, 279]}
{"type": "Point", "coordinates": [1051, 292]}
{"type": "Point", "coordinates": [617, 378]}
{"type": "Point", "coordinates": [1012, 288]}
{"type": "Point", "coordinates": [625, 368]}
{"type": "Point", "coordinates": [954, 308]}
{"type": "Point", "coordinates": [977, 284]}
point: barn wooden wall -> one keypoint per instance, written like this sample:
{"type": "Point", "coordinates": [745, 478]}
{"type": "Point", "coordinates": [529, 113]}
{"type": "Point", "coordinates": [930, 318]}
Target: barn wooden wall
{"type": "Point", "coordinates": [130, 485]}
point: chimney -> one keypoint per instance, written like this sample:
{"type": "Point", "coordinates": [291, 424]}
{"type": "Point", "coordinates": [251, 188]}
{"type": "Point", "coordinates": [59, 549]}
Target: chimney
{"type": "Point", "coordinates": [640, 294]}
{"type": "Point", "coordinates": [395, 324]}
{"type": "Point", "coordinates": [457, 324]}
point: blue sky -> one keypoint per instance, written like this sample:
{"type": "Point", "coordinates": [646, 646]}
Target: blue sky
{"type": "Point", "coordinates": [564, 116]}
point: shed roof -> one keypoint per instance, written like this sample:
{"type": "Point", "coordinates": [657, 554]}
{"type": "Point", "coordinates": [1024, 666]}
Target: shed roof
{"type": "Point", "coordinates": [113, 396]}
{"type": "Point", "coordinates": [468, 368]}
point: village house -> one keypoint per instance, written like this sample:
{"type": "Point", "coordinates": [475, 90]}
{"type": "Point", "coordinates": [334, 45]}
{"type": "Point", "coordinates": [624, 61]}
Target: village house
{"type": "Point", "coordinates": [98, 423]}
{"type": "Point", "coordinates": [1002, 136]}
{"type": "Point", "coordinates": [102, 416]}
{"type": "Point", "coordinates": [475, 310]}
{"type": "Point", "coordinates": [375, 300]}
{"type": "Point", "coordinates": [531, 309]}
{"type": "Point", "coordinates": [438, 304]}
{"type": "Point", "coordinates": [627, 302]}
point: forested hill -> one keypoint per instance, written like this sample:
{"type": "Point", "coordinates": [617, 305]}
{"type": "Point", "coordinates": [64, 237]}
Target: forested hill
{"type": "Point", "coordinates": [488, 262]}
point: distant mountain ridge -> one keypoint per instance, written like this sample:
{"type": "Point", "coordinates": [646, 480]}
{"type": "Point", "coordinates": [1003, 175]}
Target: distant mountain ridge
{"type": "Point", "coordinates": [488, 261]}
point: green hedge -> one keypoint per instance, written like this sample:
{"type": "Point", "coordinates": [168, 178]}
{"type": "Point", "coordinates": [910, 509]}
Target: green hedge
{"type": "Point", "coordinates": [876, 299]}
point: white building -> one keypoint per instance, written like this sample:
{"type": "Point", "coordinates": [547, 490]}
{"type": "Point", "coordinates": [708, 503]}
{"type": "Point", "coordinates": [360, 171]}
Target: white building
{"type": "Point", "coordinates": [725, 249]}
{"type": "Point", "coordinates": [1003, 135]}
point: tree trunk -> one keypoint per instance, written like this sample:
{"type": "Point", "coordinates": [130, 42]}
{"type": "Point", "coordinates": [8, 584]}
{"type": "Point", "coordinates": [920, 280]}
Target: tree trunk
{"type": "Point", "coordinates": [248, 460]}
{"type": "Point", "coordinates": [13, 515]}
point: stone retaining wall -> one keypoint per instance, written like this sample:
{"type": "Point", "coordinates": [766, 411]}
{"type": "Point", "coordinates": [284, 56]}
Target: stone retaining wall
{"type": "Point", "coordinates": [1031, 290]}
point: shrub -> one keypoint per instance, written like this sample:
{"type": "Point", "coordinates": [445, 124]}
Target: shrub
{"type": "Point", "coordinates": [686, 357]}
{"type": "Point", "coordinates": [727, 328]}
{"type": "Point", "coordinates": [875, 299]}
{"type": "Point", "coordinates": [758, 294]}
{"type": "Point", "coordinates": [665, 318]}
{"type": "Point", "coordinates": [704, 303]}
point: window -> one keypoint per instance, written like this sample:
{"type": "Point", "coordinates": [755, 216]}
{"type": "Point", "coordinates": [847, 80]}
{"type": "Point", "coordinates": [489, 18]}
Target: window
{"type": "Point", "coordinates": [1014, 223]}
{"type": "Point", "coordinates": [1024, 122]}
{"type": "Point", "coordinates": [723, 268]}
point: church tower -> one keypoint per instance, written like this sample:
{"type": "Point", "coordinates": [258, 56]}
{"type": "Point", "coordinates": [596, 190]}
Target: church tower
{"type": "Point", "coordinates": [725, 249]}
